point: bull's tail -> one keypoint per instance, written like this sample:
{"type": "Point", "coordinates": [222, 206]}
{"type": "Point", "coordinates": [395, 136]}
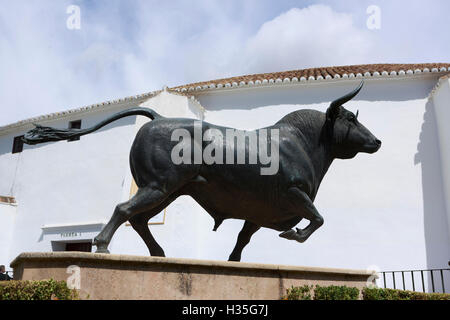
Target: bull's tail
{"type": "Point", "coordinates": [41, 134]}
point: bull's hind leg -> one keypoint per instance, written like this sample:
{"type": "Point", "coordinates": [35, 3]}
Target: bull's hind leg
{"type": "Point", "coordinates": [140, 225]}
{"type": "Point", "coordinates": [144, 200]}
{"type": "Point", "coordinates": [299, 199]}
{"type": "Point", "coordinates": [243, 239]}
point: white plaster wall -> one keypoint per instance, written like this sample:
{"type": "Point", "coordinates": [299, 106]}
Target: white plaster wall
{"type": "Point", "coordinates": [65, 182]}
{"type": "Point", "coordinates": [7, 217]}
{"type": "Point", "coordinates": [441, 101]}
{"type": "Point", "coordinates": [388, 212]}
{"type": "Point", "coordinates": [171, 105]}
{"type": "Point", "coordinates": [385, 209]}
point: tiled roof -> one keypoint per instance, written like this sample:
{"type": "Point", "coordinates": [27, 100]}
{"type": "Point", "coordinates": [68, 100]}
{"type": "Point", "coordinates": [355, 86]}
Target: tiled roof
{"type": "Point", "coordinates": [132, 101]}
{"type": "Point", "coordinates": [261, 79]}
{"type": "Point", "coordinates": [314, 74]}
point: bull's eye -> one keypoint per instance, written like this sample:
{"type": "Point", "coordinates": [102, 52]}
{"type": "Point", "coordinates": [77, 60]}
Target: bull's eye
{"type": "Point", "coordinates": [352, 118]}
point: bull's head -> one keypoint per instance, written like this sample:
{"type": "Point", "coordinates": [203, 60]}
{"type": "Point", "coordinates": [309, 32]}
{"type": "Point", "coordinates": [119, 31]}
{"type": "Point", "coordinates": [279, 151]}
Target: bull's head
{"type": "Point", "coordinates": [348, 136]}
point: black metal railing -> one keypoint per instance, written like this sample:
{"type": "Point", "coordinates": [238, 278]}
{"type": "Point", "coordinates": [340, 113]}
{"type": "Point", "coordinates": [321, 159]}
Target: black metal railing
{"type": "Point", "coordinates": [438, 279]}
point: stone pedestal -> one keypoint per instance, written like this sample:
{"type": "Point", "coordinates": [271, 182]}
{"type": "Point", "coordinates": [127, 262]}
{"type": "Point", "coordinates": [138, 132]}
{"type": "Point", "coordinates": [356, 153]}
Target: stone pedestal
{"type": "Point", "coordinates": [110, 276]}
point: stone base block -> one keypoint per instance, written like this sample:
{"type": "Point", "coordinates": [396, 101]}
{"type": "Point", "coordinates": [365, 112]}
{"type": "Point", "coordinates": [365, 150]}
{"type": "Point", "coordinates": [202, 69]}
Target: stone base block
{"type": "Point", "coordinates": [110, 276]}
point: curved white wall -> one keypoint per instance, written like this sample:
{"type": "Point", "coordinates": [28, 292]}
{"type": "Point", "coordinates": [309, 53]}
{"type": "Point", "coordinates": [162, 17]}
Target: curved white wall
{"type": "Point", "coordinates": [441, 100]}
{"type": "Point", "coordinates": [65, 182]}
{"type": "Point", "coordinates": [386, 209]}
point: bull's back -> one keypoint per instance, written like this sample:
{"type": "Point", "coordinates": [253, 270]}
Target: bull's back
{"type": "Point", "coordinates": [225, 190]}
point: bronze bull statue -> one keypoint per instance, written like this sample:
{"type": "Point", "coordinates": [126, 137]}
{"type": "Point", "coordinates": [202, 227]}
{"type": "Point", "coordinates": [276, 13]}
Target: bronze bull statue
{"type": "Point", "coordinates": [305, 143]}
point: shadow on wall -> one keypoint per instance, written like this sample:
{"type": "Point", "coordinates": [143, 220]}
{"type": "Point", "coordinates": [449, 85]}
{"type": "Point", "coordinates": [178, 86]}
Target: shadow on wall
{"type": "Point", "coordinates": [434, 209]}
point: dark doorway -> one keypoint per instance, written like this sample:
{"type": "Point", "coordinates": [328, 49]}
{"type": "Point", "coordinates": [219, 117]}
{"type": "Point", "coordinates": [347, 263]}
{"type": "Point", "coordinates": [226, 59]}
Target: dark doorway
{"type": "Point", "coordinates": [79, 246]}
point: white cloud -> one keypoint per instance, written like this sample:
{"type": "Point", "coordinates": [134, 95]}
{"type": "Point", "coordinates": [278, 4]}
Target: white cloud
{"type": "Point", "coordinates": [299, 38]}
{"type": "Point", "coordinates": [311, 37]}
{"type": "Point", "coordinates": [129, 48]}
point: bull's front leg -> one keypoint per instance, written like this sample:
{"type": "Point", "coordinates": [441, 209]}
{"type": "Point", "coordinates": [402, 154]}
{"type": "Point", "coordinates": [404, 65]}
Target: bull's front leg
{"type": "Point", "coordinates": [303, 203]}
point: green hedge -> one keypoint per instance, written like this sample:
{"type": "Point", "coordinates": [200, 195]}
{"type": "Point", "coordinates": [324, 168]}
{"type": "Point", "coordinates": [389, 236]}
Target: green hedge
{"type": "Point", "coordinates": [299, 293]}
{"type": "Point", "coordinates": [336, 293]}
{"type": "Point", "coordinates": [350, 293]}
{"type": "Point", "coordinates": [392, 294]}
{"type": "Point", "coordinates": [36, 290]}
{"type": "Point", "coordinates": [322, 293]}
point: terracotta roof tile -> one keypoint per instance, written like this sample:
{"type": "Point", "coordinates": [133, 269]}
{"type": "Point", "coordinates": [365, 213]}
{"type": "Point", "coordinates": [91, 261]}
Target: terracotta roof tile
{"type": "Point", "coordinates": [338, 71]}
{"type": "Point", "coordinates": [294, 75]}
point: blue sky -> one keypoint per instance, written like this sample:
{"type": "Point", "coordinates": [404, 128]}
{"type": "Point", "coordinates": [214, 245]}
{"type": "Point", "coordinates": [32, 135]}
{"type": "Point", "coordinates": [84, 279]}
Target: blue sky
{"type": "Point", "coordinates": [130, 47]}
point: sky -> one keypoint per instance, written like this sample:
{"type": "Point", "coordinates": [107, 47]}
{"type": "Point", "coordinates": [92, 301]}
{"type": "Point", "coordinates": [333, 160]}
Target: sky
{"type": "Point", "coordinates": [54, 59]}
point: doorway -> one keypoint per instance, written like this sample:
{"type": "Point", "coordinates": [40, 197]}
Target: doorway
{"type": "Point", "coordinates": [79, 246]}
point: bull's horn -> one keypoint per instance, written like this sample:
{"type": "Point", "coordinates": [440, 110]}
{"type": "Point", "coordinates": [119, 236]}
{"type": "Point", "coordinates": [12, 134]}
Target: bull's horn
{"type": "Point", "coordinates": [340, 101]}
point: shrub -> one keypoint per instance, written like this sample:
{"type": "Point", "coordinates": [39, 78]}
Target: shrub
{"type": "Point", "coordinates": [350, 293]}
{"type": "Point", "coordinates": [299, 293]}
{"type": "Point", "coordinates": [336, 293]}
{"type": "Point", "coordinates": [392, 294]}
{"type": "Point", "coordinates": [36, 290]}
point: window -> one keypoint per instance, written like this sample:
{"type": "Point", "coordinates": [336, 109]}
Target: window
{"type": "Point", "coordinates": [79, 246]}
{"type": "Point", "coordinates": [17, 144]}
{"type": "Point", "coordinates": [74, 125]}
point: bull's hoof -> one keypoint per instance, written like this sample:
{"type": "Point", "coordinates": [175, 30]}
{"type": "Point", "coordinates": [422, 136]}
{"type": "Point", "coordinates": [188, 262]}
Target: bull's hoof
{"type": "Point", "coordinates": [236, 258]}
{"type": "Point", "coordinates": [157, 253]}
{"type": "Point", "coordinates": [102, 251]}
{"type": "Point", "coordinates": [291, 234]}
{"type": "Point", "coordinates": [301, 236]}
{"type": "Point", "coordinates": [101, 247]}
